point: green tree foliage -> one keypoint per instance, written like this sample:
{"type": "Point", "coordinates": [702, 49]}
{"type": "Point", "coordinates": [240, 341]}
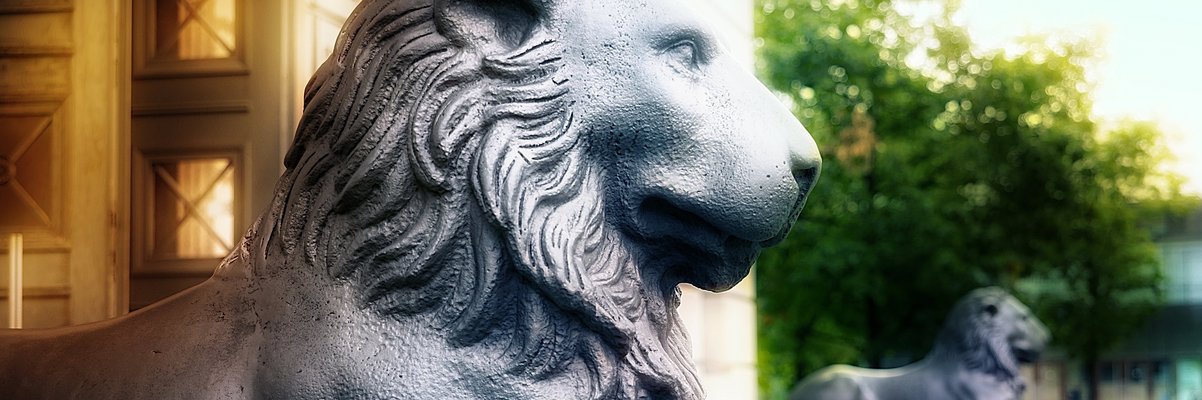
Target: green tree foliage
{"type": "Point", "coordinates": [947, 169]}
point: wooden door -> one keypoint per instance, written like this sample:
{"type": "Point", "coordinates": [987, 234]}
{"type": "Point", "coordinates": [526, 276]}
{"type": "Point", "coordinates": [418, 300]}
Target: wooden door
{"type": "Point", "coordinates": [208, 116]}
{"type": "Point", "coordinates": [62, 161]}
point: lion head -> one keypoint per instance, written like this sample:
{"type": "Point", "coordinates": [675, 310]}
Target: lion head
{"type": "Point", "coordinates": [542, 174]}
{"type": "Point", "coordinates": [993, 332]}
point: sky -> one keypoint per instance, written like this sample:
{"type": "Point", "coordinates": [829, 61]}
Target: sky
{"type": "Point", "coordinates": [1150, 66]}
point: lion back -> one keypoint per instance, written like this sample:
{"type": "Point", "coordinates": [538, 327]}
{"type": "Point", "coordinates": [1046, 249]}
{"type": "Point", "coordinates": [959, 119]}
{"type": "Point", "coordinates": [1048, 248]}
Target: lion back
{"type": "Point", "coordinates": [838, 382]}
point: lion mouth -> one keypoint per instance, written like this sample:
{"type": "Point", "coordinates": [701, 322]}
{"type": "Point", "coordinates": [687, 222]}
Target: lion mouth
{"type": "Point", "coordinates": [1025, 355]}
{"type": "Point", "coordinates": [692, 250]}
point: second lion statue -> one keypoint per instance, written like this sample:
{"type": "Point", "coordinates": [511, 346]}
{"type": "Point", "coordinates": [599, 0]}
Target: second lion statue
{"type": "Point", "coordinates": [976, 357]}
{"type": "Point", "coordinates": [485, 199]}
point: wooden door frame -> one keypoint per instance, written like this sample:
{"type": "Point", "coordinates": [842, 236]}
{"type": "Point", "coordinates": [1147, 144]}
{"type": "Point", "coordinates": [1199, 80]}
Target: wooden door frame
{"type": "Point", "coordinates": [248, 110]}
{"type": "Point", "coordinates": [100, 71]}
{"type": "Point", "coordinates": [119, 296]}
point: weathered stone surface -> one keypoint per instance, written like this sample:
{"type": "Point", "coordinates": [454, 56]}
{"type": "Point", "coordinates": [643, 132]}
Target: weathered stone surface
{"type": "Point", "coordinates": [976, 357]}
{"type": "Point", "coordinates": [485, 199]}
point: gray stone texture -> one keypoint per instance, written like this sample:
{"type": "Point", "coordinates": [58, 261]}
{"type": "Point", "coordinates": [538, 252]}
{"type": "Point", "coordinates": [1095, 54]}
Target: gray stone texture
{"type": "Point", "coordinates": [486, 199]}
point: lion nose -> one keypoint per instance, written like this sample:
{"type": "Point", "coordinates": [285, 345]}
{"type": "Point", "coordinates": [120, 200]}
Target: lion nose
{"type": "Point", "coordinates": [805, 162]}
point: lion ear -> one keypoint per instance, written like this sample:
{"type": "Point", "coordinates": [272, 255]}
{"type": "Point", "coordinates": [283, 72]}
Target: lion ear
{"type": "Point", "coordinates": [497, 25]}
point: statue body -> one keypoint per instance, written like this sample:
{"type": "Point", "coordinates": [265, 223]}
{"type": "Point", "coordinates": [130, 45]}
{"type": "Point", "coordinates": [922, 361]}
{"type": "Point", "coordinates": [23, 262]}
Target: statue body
{"type": "Point", "coordinates": [976, 357]}
{"type": "Point", "coordinates": [485, 199]}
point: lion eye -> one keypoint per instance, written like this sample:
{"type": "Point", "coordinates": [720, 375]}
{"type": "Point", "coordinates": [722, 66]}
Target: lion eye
{"type": "Point", "coordinates": [684, 53]}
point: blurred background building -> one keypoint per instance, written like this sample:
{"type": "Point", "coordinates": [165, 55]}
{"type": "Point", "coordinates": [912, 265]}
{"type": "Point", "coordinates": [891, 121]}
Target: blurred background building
{"type": "Point", "coordinates": [1163, 359]}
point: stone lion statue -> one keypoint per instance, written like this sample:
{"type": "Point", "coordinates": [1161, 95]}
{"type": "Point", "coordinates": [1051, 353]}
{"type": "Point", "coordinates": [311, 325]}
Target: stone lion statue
{"type": "Point", "coordinates": [976, 357]}
{"type": "Point", "coordinates": [485, 199]}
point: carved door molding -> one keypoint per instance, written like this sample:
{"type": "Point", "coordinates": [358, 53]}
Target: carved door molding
{"type": "Point", "coordinates": [61, 155]}
{"type": "Point", "coordinates": [207, 116]}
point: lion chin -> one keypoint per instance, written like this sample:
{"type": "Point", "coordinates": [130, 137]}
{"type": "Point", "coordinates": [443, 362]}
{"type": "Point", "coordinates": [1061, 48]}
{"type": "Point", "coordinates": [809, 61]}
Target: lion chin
{"type": "Point", "coordinates": [976, 357]}
{"type": "Point", "coordinates": [484, 199]}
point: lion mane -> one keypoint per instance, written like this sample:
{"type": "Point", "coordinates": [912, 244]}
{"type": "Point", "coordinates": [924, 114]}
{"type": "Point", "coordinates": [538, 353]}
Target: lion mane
{"type": "Point", "coordinates": [981, 342]}
{"type": "Point", "coordinates": [441, 181]}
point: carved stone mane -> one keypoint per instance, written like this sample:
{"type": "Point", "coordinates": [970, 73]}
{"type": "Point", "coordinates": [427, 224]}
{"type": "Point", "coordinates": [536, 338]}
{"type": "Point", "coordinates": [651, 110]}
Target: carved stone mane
{"type": "Point", "coordinates": [978, 339]}
{"type": "Point", "coordinates": [404, 148]}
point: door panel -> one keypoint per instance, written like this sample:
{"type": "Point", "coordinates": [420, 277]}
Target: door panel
{"type": "Point", "coordinates": [206, 122]}
{"type": "Point", "coordinates": [60, 163]}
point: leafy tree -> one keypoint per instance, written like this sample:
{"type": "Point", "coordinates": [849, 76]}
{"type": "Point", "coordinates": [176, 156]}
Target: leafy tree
{"type": "Point", "coordinates": [947, 171]}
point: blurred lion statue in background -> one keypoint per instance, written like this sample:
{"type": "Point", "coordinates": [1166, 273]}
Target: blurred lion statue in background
{"type": "Point", "coordinates": [976, 357]}
{"type": "Point", "coordinates": [485, 199]}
